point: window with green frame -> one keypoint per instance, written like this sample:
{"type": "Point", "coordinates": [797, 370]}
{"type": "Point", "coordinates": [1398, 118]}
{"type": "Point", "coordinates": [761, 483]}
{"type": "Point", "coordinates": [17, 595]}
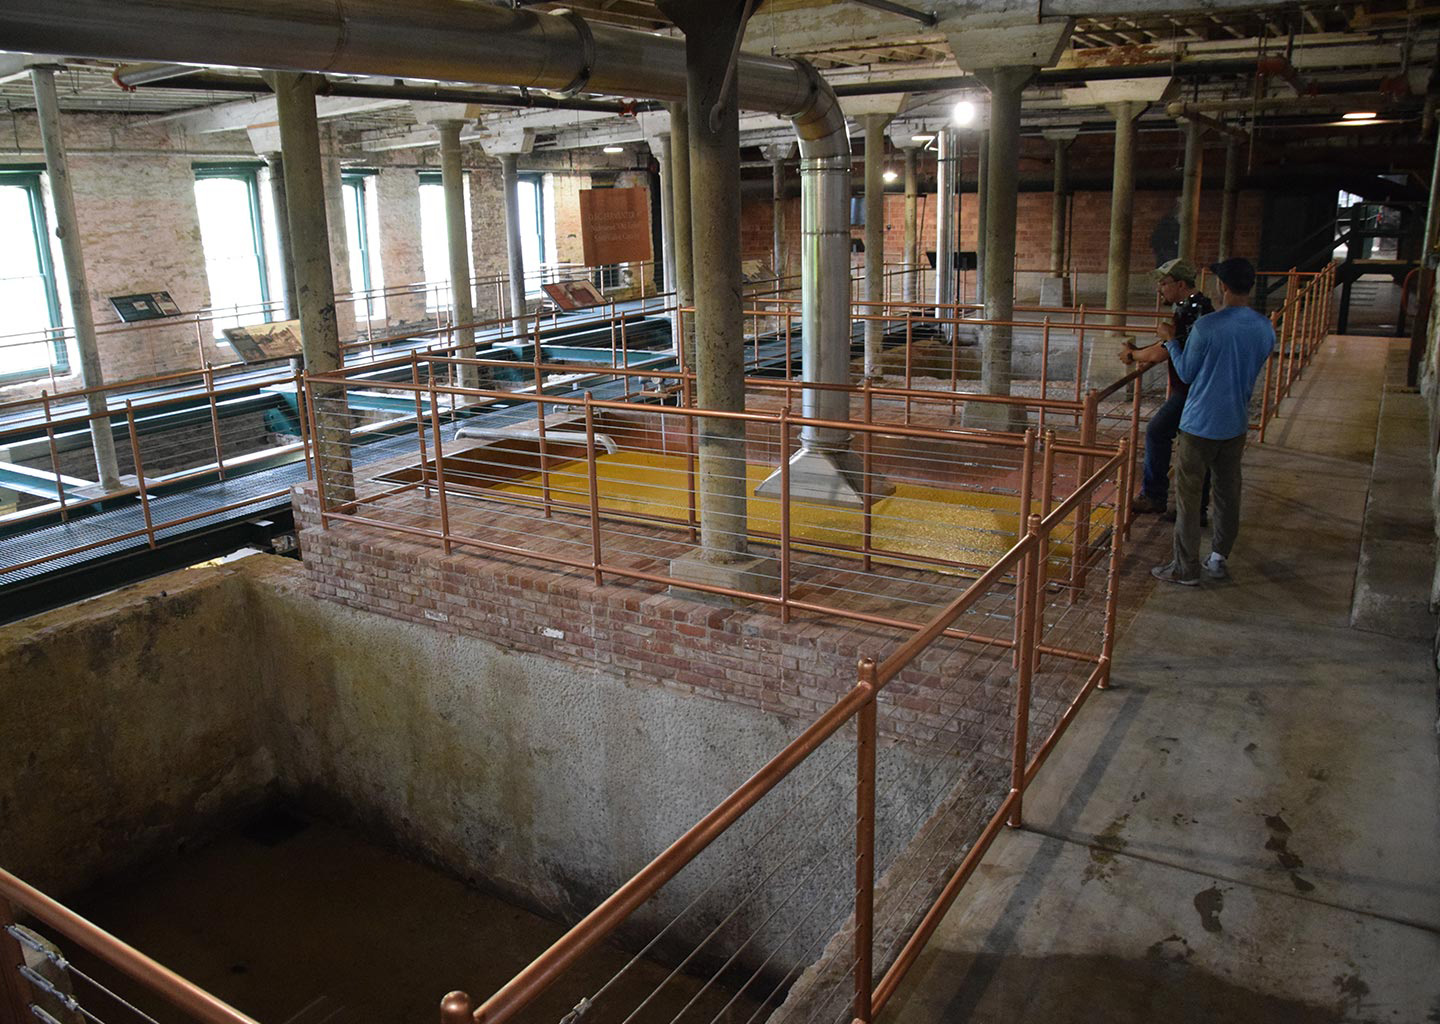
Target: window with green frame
{"type": "Point", "coordinates": [33, 343]}
{"type": "Point", "coordinates": [435, 239]}
{"type": "Point", "coordinates": [358, 189]}
{"type": "Point", "coordinates": [227, 197]}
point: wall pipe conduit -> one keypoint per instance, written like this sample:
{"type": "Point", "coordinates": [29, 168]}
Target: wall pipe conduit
{"type": "Point", "coordinates": [461, 41]}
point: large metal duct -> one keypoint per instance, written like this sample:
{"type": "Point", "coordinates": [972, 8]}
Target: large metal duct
{"type": "Point", "coordinates": [462, 41]}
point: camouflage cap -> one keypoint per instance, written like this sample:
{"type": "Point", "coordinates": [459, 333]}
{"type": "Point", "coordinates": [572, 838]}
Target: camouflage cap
{"type": "Point", "coordinates": [1179, 269]}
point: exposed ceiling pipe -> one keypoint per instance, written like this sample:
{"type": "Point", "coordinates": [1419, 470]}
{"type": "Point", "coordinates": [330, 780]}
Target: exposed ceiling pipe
{"type": "Point", "coordinates": [210, 82]}
{"type": "Point", "coordinates": [926, 18]}
{"type": "Point", "coordinates": [1057, 76]}
{"type": "Point", "coordinates": [463, 41]}
{"type": "Point", "coordinates": [128, 78]}
{"type": "Point", "coordinates": [1188, 112]}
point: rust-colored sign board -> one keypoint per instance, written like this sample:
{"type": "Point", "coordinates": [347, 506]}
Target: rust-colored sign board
{"type": "Point", "coordinates": [615, 225]}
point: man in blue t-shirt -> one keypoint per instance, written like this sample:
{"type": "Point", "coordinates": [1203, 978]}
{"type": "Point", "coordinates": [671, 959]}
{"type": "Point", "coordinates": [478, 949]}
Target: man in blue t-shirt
{"type": "Point", "coordinates": [1220, 362]}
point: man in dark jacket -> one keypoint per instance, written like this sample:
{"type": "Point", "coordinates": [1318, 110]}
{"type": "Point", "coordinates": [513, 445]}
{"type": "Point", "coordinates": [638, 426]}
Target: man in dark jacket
{"type": "Point", "coordinates": [1175, 281]}
{"type": "Point", "coordinates": [1224, 356]}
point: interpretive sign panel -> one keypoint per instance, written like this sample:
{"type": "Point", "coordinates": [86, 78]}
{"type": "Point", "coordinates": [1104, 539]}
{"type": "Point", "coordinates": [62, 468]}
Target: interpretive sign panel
{"type": "Point", "coordinates": [145, 306]}
{"type": "Point", "coordinates": [257, 343]}
{"type": "Point", "coordinates": [615, 225]}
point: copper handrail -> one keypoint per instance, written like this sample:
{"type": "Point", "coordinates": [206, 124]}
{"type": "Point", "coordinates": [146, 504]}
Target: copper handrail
{"type": "Point", "coordinates": [157, 978]}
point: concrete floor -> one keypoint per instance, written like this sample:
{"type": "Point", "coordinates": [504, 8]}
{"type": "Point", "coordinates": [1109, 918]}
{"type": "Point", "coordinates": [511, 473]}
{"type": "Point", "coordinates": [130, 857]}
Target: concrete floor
{"type": "Point", "coordinates": [1246, 827]}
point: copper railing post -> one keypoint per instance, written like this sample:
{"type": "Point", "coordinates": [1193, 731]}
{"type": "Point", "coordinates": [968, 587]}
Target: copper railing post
{"type": "Point", "coordinates": [139, 472]}
{"type": "Point", "coordinates": [1022, 517]}
{"type": "Point", "coordinates": [1045, 370]}
{"type": "Point", "coordinates": [592, 472]}
{"type": "Point", "coordinates": [1027, 571]}
{"type": "Point", "coordinates": [865, 845]}
{"type": "Point", "coordinates": [319, 467]}
{"type": "Point", "coordinates": [1112, 583]}
{"type": "Point", "coordinates": [209, 376]}
{"type": "Point", "coordinates": [545, 501]}
{"type": "Point", "coordinates": [1082, 511]}
{"type": "Point", "coordinates": [15, 994]}
{"type": "Point", "coordinates": [54, 457]}
{"type": "Point", "coordinates": [867, 499]}
{"type": "Point", "coordinates": [439, 468]}
{"type": "Point", "coordinates": [1265, 388]}
{"type": "Point", "coordinates": [302, 401]}
{"type": "Point", "coordinates": [420, 423]}
{"type": "Point", "coordinates": [1123, 507]}
{"type": "Point", "coordinates": [785, 513]}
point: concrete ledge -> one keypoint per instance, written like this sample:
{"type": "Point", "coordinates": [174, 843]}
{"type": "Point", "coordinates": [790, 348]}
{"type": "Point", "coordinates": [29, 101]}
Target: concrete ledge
{"type": "Point", "coordinates": [1397, 545]}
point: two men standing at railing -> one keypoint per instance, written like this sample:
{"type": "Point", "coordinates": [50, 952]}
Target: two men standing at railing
{"type": "Point", "coordinates": [1220, 361]}
{"type": "Point", "coordinates": [1175, 281]}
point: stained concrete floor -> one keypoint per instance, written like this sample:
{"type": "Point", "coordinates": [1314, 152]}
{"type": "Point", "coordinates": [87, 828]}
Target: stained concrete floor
{"type": "Point", "coordinates": [1246, 827]}
{"type": "Point", "coordinates": [297, 922]}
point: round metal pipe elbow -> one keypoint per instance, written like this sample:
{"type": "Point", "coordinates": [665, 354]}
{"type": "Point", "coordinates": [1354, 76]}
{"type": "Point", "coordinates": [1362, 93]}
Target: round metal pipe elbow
{"type": "Point", "coordinates": [820, 123]}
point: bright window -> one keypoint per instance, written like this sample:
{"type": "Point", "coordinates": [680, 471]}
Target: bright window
{"type": "Point", "coordinates": [365, 275]}
{"type": "Point", "coordinates": [434, 239]}
{"type": "Point", "coordinates": [228, 201]}
{"type": "Point", "coordinates": [532, 229]}
{"type": "Point", "coordinates": [32, 342]}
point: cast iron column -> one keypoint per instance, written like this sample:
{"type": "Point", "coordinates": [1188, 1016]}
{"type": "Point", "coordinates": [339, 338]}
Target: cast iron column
{"type": "Point", "coordinates": [982, 213]}
{"type": "Point", "coordinates": [874, 239]}
{"type": "Point", "coordinates": [314, 283]}
{"type": "Point", "coordinates": [1190, 191]}
{"type": "Point", "coordinates": [514, 254]}
{"type": "Point", "coordinates": [945, 200]}
{"type": "Point", "coordinates": [452, 179]}
{"type": "Point", "coordinates": [1001, 198]}
{"type": "Point", "coordinates": [1057, 211]}
{"type": "Point", "coordinates": [911, 258]}
{"type": "Point", "coordinates": [1228, 197]}
{"type": "Point", "coordinates": [282, 234]}
{"type": "Point", "coordinates": [777, 191]}
{"type": "Point", "coordinates": [684, 247]}
{"type": "Point", "coordinates": [67, 228]}
{"type": "Point", "coordinates": [1122, 208]}
{"type": "Point", "coordinates": [660, 148]}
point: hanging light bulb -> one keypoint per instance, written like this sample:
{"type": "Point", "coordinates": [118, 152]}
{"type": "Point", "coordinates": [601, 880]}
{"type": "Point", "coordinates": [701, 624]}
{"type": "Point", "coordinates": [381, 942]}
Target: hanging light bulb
{"type": "Point", "coordinates": [889, 174]}
{"type": "Point", "coordinates": [964, 113]}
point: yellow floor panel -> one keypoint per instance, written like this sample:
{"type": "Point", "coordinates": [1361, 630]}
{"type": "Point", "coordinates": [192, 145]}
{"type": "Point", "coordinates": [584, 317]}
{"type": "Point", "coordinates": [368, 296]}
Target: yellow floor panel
{"type": "Point", "coordinates": [929, 523]}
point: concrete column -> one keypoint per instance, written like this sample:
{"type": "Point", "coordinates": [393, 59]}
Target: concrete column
{"type": "Point", "coordinates": [1122, 206]}
{"type": "Point", "coordinates": [314, 283]}
{"type": "Point", "coordinates": [719, 313]}
{"type": "Point", "coordinates": [461, 302]}
{"type": "Point", "coordinates": [684, 249]}
{"type": "Point", "coordinates": [874, 238]}
{"type": "Point", "coordinates": [912, 255]}
{"type": "Point", "coordinates": [67, 229]}
{"type": "Point", "coordinates": [1189, 214]}
{"type": "Point", "coordinates": [345, 321]}
{"type": "Point", "coordinates": [945, 201]}
{"type": "Point", "coordinates": [998, 242]}
{"type": "Point", "coordinates": [982, 213]}
{"type": "Point", "coordinates": [1057, 210]}
{"type": "Point", "coordinates": [660, 148]}
{"type": "Point", "coordinates": [514, 255]}
{"type": "Point", "coordinates": [1228, 198]}
{"type": "Point", "coordinates": [276, 166]}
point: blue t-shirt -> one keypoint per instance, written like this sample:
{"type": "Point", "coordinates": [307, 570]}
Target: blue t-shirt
{"type": "Point", "coordinates": [1220, 360]}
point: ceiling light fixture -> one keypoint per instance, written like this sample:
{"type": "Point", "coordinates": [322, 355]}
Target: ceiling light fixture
{"type": "Point", "coordinates": [613, 149]}
{"type": "Point", "coordinates": [889, 174]}
{"type": "Point", "coordinates": [922, 138]}
{"type": "Point", "coordinates": [964, 113]}
{"type": "Point", "coordinates": [1358, 115]}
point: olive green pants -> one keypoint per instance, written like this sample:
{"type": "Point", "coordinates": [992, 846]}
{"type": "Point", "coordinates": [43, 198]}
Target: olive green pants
{"type": "Point", "coordinates": [1193, 457]}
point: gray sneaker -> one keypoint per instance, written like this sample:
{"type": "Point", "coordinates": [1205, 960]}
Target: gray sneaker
{"type": "Point", "coordinates": [1215, 567]}
{"type": "Point", "coordinates": [1170, 573]}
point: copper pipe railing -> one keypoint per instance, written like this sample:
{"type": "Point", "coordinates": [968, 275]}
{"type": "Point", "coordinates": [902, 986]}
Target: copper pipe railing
{"type": "Point", "coordinates": [163, 982]}
{"type": "Point", "coordinates": [1301, 325]}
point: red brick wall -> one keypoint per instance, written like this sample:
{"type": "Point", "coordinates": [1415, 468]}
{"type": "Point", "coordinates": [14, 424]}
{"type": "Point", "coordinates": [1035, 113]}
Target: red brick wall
{"type": "Point", "coordinates": [1090, 227]}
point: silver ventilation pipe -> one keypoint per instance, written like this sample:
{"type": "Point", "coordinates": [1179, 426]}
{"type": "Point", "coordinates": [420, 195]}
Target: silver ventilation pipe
{"type": "Point", "coordinates": [462, 41]}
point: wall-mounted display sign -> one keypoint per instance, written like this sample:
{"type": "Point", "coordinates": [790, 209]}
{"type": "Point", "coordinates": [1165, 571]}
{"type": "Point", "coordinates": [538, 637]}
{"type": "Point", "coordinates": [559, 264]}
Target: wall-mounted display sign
{"type": "Point", "coordinates": [615, 225]}
{"type": "Point", "coordinates": [257, 343]}
{"type": "Point", "coordinates": [145, 306]}
{"type": "Point", "coordinates": [570, 295]}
